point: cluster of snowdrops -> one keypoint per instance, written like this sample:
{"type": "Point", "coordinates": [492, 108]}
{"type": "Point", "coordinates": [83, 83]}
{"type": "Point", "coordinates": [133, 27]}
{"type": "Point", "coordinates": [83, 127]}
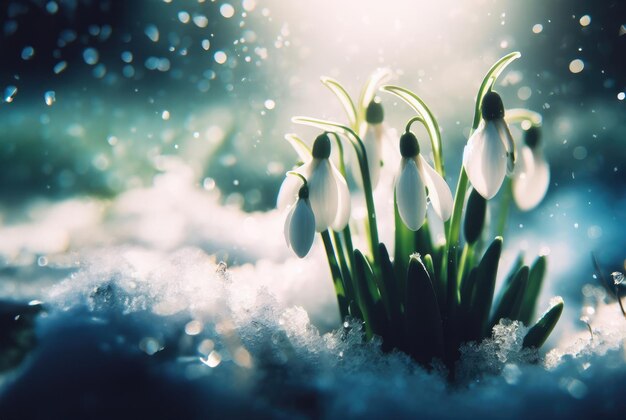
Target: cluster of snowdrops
{"type": "Point", "coordinates": [428, 297]}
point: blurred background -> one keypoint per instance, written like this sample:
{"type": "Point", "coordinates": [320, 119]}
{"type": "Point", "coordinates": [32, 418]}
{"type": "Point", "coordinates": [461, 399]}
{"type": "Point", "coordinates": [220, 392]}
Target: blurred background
{"type": "Point", "coordinates": [102, 97]}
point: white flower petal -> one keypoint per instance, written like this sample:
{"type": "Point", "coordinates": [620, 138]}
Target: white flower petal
{"type": "Point", "coordinates": [291, 185]}
{"type": "Point", "coordinates": [344, 206]}
{"type": "Point", "coordinates": [323, 194]}
{"type": "Point", "coordinates": [438, 191]}
{"type": "Point", "coordinates": [373, 142]}
{"type": "Point", "coordinates": [302, 228]}
{"type": "Point", "coordinates": [484, 159]}
{"type": "Point", "coordinates": [530, 188]}
{"type": "Point", "coordinates": [525, 162]}
{"type": "Point", "coordinates": [288, 225]}
{"type": "Point", "coordinates": [411, 195]}
{"type": "Point", "coordinates": [509, 144]}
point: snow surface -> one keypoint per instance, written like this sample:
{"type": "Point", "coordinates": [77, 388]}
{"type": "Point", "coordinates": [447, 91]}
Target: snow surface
{"type": "Point", "coordinates": [143, 318]}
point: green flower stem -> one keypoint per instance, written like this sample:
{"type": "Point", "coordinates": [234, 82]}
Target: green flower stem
{"type": "Point", "coordinates": [335, 271]}
{"type": "Point", "coordinates": [519, 115]}
{"type": "Point", "coordinates": [505, 204]}
{"type": "Point", "coordinates": [347, 235]}
{"type": "Point", "coordinates": [343, 265]}
{"type": "Point", "coordinates": [427, 117]}
{"type": "Point", "coordinates": [466, 261]}
{"type": "Point", "coordinates": [417, 118]}
{"type": "Point", "coordinates": [359, 147]}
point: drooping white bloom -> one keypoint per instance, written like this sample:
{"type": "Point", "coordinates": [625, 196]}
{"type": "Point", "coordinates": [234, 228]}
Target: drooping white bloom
{"type": "Point", "coordinates": [300, 224]}
{"type": "Point", "coordinates": [373, 138]}
{"type": "Point", "coordinates": [415, 176]}
{"type": "Point", "coordinates": [328, 191]}
{"type": "Point", "coordinates": [532, 173]}
{"type": "Point", "coordinates": [490, 152]}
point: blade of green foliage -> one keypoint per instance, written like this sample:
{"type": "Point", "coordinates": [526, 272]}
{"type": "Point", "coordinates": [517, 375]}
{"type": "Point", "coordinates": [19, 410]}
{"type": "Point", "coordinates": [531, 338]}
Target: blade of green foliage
{"type": "Point", "coordinates": [510, 303]}
{"type": "Point", "coordinates": [368, 297]}
{"type": "Point", "coordinates": [482, 296]}
{"type": "Point", "coordinates": [535, 280]}
{"type": "Point", "coordinates": [423, 321]}
{"type": "Point", "coordinates": [538, 334]}
{"type": "Point", "coordinates": [301, 148]}
{"type": "Point", "coordinates": [440, 291]}
{"type": "Point", "coordinates": [391, 285]}
{"type": "Point", "coordinates": [369, 90]}
{"type": "Point", "coordinates": [343, 96]}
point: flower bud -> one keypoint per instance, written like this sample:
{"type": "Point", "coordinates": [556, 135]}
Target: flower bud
{"type": "Point", "coordinates": [409, 148]}
{"type": "Point", "coordinates": [321, 147]}
{"type": "Point", "coordinates": [492, 107]}
{"type": "Point", "coordinates": [532, 137]}
{"type": "Point", "coordinates": [474, 216]}
{"type": "Point", "coordinates": [374, 113]}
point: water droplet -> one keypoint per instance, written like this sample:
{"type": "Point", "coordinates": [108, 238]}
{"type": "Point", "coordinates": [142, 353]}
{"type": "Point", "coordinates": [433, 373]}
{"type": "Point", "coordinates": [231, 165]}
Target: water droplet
{"type": "Point", "coordinates": [201, 21]}
{"type": "Point", "coordinates": [537, 28]}
{"type": "Point", "coordinates": [59, 67]}
{"type": "Point", "coordinates": [49, 97]}
{"type": "Point", "coordinates": [165, 115]}
{"type": "Point", "coordinates": [208, 184]}
{"type": "Point", "coordinates": [621, 96]}
{"type": "Point", "coordinates": [52, 7]}
{"type": "Point", "coordinates": [42, 261]}
{"type": "Point", "coordinates": [524, 93]}
{"type": "Point", "coordinates": [152, 32]}
{"type": "Point", "coordinates": [227, 10]}
{"type": "Point", "coordinates": [28, 52]}
{"type": "Point", "coordinates": [193, 327]}
{"type": "Point", "coordinates": [9, 93]}
{"type": "Point", "coordinates": [576, 66]}
{"type": "Point", "coordinates": [127, 57]}
{"type": "Point", "coordinates": [183, 16]}
{"type": "Point", "coordinates": [248, 5]}
{"type": "Point", "coordinates": [91, 56]}
{"type": "Point", "coordinates": [212, 360]}
{"type": "Point", "coordinates": [269, 104]}
{"type": "Point", "coordinates": [585, 20]}
{"type": "Point", "coordinates": [220, 57]}
{"type": "Point", "coordinates": [206, 44]}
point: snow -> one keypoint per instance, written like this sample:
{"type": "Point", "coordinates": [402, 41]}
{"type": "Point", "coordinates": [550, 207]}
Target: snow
{"type": "Point", "coordinates": [145, 296]}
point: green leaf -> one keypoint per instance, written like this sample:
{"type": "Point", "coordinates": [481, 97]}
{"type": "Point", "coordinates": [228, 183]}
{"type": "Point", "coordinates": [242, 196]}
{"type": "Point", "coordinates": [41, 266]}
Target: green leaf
{"type": "Point", "coordinates": [368, 92]}
{"type": "Point", "coordinates": [539, 333]}
{"type": "Point", "coordinates": [419, 106]}
{"type": "Point", "coordinates": [483, 294]}
{"type": "Point", "coordinates": [535, 280]}
{"type": "Point", "coordinates": [343, 96]}
{"type": "Point", "coordinates": [423, 320]}
{"type": "Point", "coordinates": [489, 80]}
{"type": "Point", "coordinates": [512, 297]}
{"type": "Point", "coordinates": [301, 148]}
{"type": "Point", "coordinates": [390, 284]}
{"type": "Point", "coordinates": [368, 297]}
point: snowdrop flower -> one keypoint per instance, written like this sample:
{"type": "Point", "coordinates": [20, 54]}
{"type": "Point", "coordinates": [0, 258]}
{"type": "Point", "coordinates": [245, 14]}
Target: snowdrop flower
{"type": "Point", "coordinates": [373, 140]}
{"type": "Point", "coordinates": [490, 151]}
{"type": "Point", "coordinates": [532, 173]}
{"type": "Point", "coordinates": [300, 224]}
{"type": "Point", "coordinates": [415, 176]}
{"type": "Point", "coordinates": [328, 192]}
